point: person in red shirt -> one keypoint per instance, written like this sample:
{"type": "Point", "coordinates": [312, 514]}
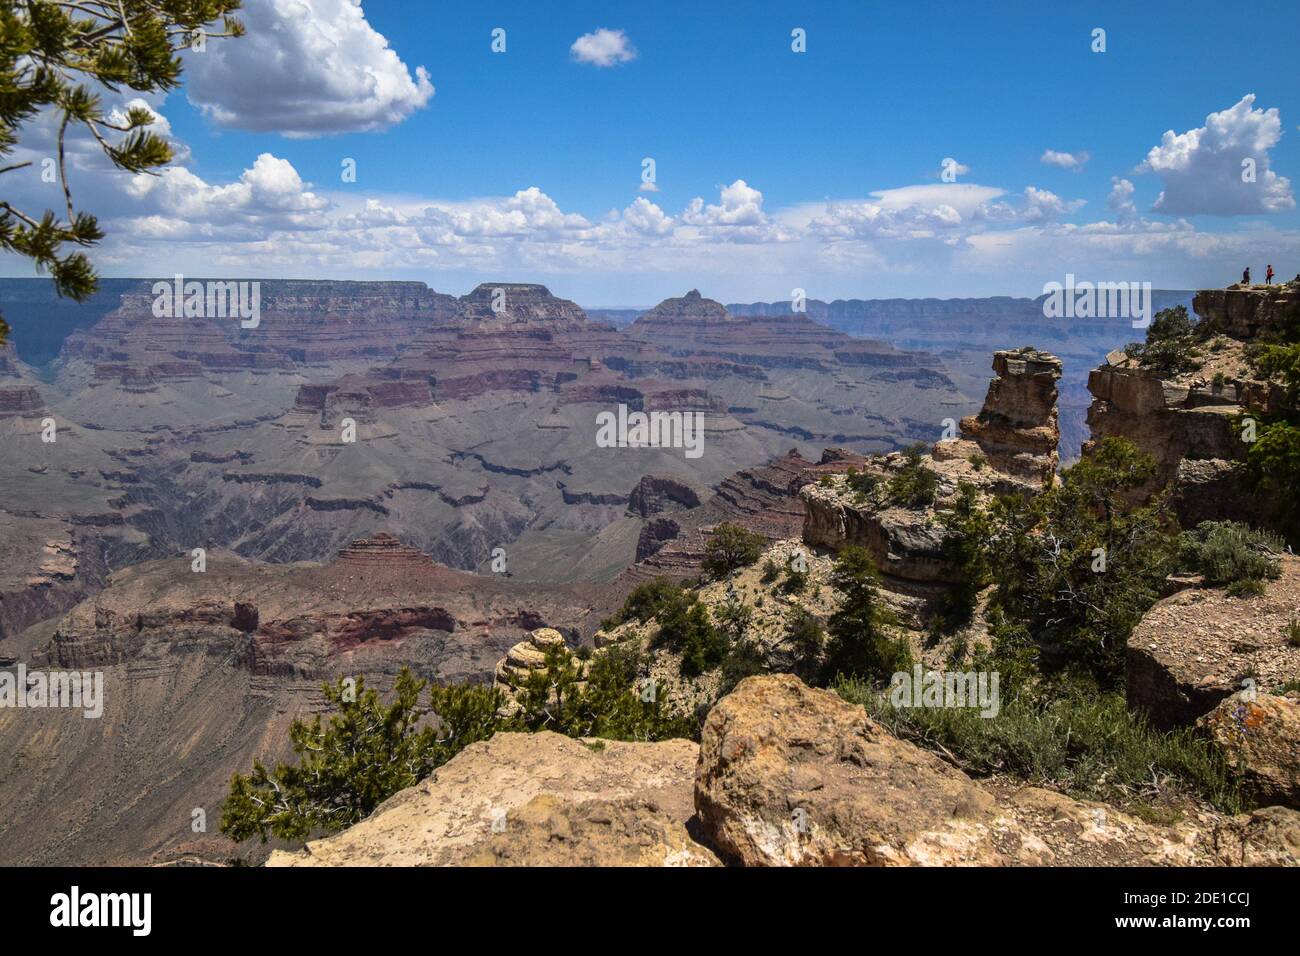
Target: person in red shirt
{"type": "Point", "coordinates": [1268, 276]}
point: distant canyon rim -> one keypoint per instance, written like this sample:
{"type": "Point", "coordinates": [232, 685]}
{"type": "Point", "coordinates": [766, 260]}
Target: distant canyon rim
{"type": "Point", "coordinates": [380, 475]}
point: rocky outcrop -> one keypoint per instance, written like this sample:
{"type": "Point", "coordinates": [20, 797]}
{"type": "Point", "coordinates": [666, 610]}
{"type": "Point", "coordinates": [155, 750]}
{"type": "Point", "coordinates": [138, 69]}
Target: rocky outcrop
{"type": "Point", "coordinates": [905, 543]}
{"type": "Point", "coordinates": [784, 775]}
{"type": "Point", "coordinates": [1017, 428]}
{"type": "Point", "coordinates": [1200, 645]}
{"type": "Point", "coordinates": [521, 662]}
{"type": "Point", "coordinates": [1009, 447]}
{"type": "Point", "coordinates": [789, 775]}
{"type": "Point", "coordinates": [532, 800]}
{"type": "Point", "coordinates": [1247, 312]}
{"type": "Point", "coordinates": [1187, 421]}
{"type": "Point", "coordinates": [1258, 734]}
{"type": "Point", "coordinates": [655, 494]}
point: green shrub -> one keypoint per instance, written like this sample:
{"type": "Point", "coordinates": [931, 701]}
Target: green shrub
{"type": "Point", "coordinates": [860, 642]}
{"type": "Point", "coordinates": [364, 754]}
{"type": "Point", "coordinates": [914, 485]}
{"type": "Point", "coordinates": [1273, 469]}
{"type": "Point", "coordinates": [653, 599]}
{"type": "Point", "coordinates": [863, 484]}
{"type": "Point", "coordinates": [369, 750]}
{"type": "Point", "coordinates": [1170, 347]}
{"type": "Point", "coordinates": [1292, 632]}
{"type": "Point", "coordinates": [1075, 739]}
{"type": "Point", "coordinates": [1078, 565]}
{"type": "Point", "coordinates": [730, 548]}
{"type": "Point", "coordinates": [1278, 356]}
{"type": "Point", "coordinates": [967, 531]}
{"type": "Point", "coordinates": [608, 701]}
{"type": "Point", "coordinates": [1231, 554]}
{"type": "Point", "coordinates": [771, 571]}
{"type": "Point", "coordinates": [1280, 362]}
{"type": "Point", "coordinates": [744, 658]}
{"type": "Point", "coordinates": [733, 618]}
{"type": "Point", "coordinates": [807, 640]}
{"type": "Point", "coordinates": [685, 626]}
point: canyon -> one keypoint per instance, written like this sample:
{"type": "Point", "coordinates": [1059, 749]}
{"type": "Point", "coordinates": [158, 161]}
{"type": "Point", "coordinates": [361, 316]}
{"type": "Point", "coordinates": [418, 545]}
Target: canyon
{"type": "Point", "coordinates": [376, 475]}
{"type": "Point", "coordinates": [962, 332]}
{"type": "Point", "coordinates": [380, 475]}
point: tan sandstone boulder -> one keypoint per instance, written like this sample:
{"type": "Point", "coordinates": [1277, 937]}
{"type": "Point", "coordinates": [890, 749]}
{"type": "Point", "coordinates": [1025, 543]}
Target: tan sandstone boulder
{"type": "Point", "coordinates": [532, 799]}
{"type": "Point", "coordinates": [1261, 737]}
{"type": "Point", "coordinates": [789, 775]}
{"type": "Point", "coordinates": [521, 660]}
{"type": "Point", "coordinates": [1200, 645]}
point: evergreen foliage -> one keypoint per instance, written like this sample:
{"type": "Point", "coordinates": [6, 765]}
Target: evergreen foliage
{"type": "Point", "coordinates": [914, 485]}
{"type": "Point", "coordinates": [55, 56]}
{"type": "Point", "coordinates": [730, 548]}
{"type": "Point", "coordinates": [861, 644]}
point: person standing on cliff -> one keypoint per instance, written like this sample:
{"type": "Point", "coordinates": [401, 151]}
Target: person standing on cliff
{"type": "Point", "coordinates": [1268, 275]}
{"type": "Point", "coordinates": [1245, 276]}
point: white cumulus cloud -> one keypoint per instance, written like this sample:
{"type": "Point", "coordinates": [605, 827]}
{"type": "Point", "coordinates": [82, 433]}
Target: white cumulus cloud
{"type": "Point", "coordinates": [603, 48]}
{"type": "Point", "coordinates": [1071, 161]}
{"type": "Point", "coordinates": [1204, 170]}
{"type": "Point", "coordinates": [646, 218]}
{"type": "Point", "coordinates": [1042, 205]}
{"type": "Point", "coordinates": [1120, 200]}
{"type": "Point", "coordinates": [305, 68]}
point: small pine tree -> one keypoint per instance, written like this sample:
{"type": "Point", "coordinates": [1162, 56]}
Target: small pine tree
{"type": "Point", "coordinates": [366, 753]}
{"type": "Point", "coordinates": [1170, 347]}
{"type": "Point", "coordinates": [703, 646]}
{"type": "Point", "coordinates": [730, 548]}
{"type": "Point", "coordinates": [807, 640]}
{"type": "Point", "coordinates": [914, 485]}
{"type": "Point", "coordinates": [1078, 565]}
{"type": "Point", "coordinates": [965, 544]}
{"type": "Point", "coordinates": [860, 644]}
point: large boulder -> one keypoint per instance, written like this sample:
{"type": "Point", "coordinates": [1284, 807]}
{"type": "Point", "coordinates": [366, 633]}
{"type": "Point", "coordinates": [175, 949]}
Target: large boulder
{"type": "Point", "coordinates": [1200, 645]}
{"type": "Point", "coordinates": [1259, 734]}
{"type": "Point", "coordinates": [794, 776]}
{"type": "Point", "coordinates": [789, 775]}
{"type": "Point", "coordinates": [532, 799]}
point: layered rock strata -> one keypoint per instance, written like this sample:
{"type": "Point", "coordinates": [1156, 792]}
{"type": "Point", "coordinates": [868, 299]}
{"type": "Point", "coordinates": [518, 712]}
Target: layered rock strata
{"type": "Point", "coordinates": [1188, 421]}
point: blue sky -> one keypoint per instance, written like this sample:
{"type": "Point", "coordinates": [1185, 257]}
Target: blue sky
{"type": "Point", "coordinates": [526, 165]}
